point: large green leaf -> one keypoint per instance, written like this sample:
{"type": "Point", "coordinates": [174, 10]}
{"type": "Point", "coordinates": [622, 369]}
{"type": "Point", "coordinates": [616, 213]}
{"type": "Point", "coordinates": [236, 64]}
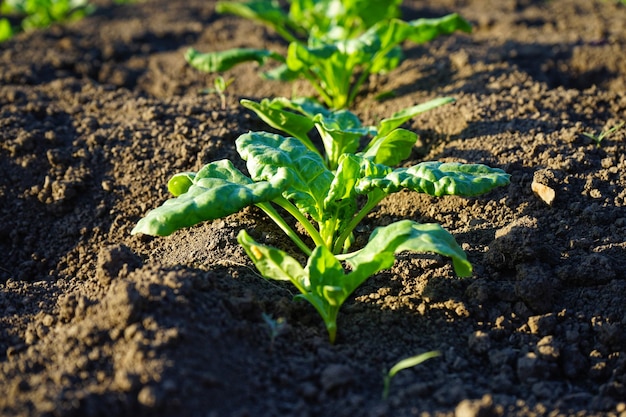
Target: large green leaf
{"type": "Point", "coordinates": [309, 180]}
{"type": "Point", "coordinates": [438, 179]}
{"type": "Point", "coordinates": [404, 235]}
{"type": "Point", "coordinates": [224, 60]}
{"type": "Point", "coordinates": [219, 189]}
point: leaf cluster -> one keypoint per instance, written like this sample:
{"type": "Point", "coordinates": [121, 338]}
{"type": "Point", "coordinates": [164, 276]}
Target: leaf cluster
{"type": "Point", "coordinates": [333, 44]}
{"type": "Point", "coordinates": [341, 131]}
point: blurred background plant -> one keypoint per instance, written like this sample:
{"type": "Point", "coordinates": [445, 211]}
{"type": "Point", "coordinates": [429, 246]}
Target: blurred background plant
{"type": "Point", "coordinates": [19, 15]}
{"type": "Point", "coordinates": [22, 15]}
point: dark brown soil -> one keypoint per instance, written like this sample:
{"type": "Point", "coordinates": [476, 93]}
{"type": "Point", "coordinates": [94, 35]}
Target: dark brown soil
{"type": "Point", "coordinates": [97, 115]}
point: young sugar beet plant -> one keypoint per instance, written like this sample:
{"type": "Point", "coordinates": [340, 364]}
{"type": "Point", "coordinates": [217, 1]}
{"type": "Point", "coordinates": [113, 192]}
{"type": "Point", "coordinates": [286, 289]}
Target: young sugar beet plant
{"type": "Point", "coordinates": [285, 173]}
{"type": "Point", "coordinates": [343, 47]}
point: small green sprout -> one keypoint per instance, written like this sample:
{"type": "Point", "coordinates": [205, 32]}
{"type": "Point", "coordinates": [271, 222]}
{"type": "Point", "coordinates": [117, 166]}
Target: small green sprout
{"type": "Point", "coordinates": [276, 327]}
{"type": "Point", "coordinates": [219, 87]}
{"type": "Point", "coordinates": [405, 364]}
{"type": "Point", "coordinates": [598, 138]}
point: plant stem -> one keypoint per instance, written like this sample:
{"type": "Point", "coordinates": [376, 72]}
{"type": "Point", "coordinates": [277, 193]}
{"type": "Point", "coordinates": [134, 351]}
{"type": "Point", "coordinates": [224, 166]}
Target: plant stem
{"type": "Point", "coordinates": [373, 199]}
{"type": "Point", "coordinates": [310, 229]}
{"type": "Point", "coordinates": [356, 87]}
{"type": "Point", "coordinates": [312, 79]}
{"type": "Point", "coordinates": [273, 214]}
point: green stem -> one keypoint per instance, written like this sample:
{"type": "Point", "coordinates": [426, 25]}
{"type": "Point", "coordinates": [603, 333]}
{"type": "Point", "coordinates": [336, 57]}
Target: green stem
{"type": "Point", "coordinates": [355, 88]}
{"type": "Point", "coordinates": [273, 214]}
{"type": "Point", "coordinates": [293, 210]}
{"type": "Point", "coordinates": [285, 33]}
{"type": "Point", "coordinates": [313, 80]}
{"type": "Point", "coordinates": [373, 199]}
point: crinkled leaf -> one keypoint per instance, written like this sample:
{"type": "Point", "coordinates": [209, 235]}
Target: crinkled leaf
{"type": "Point", "coordinates": [309, 179]}
{"type": "Point", "coordinates": [218, 190]}
{"type": "Point", "coordinates": [404, 235]}
{"type": "Point", "coordinates": [225, 60]}
{"type": "Point", "coordinates": [438, 179]}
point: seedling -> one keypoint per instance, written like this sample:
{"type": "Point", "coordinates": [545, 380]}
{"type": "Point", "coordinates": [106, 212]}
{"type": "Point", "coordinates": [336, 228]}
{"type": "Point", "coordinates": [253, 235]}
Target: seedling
{"type": "Point", "coordinates": [341, 131]}
{"type": "Point", "coordinates": [405, 364]}
{"type": "Point", "coordinates": [345, 43]}
{"type": "Point", "coordinates": [599, 137]}
{"type": "Point", "coordinates": [286, 173]}
{"type": "Point", "coordinates": [219, 87]}
{"type": "Point", "coordinates": [276, 327]}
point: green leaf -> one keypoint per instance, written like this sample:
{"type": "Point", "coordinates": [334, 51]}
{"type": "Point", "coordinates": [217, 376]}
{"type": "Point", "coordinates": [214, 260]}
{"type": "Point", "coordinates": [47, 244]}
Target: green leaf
{"type": "Point", "coordinates": [320, 282]}
{"type": "Point", "coordinates": [395, 31]}
{"type": "Point", "coordinates": [307, 107]}
{"type": "Point", "coordinates": [267, 12]}
{"type": "Point", "coordinates": [389, 240]}
{"type": "Point", "coordinates": [6, 31]}
{"type": "Point", "coordinates": [392, 148]}
{"type": "Point", "coordinates": [438, 179]}
{"type": "Point", "coordinates": [225, 60]}
{"type": "Point", "coordinates": [309, 179]}
{"type": "Point", "coordinates": [273, 263]}
{"type": "Point", "coordinates": [272, 113]}
{"type": "Point", "coordinates": [404, 115]}
{"type": "Point", "coordinates": [341, 132]}
{"type": "Point", "coordinates": [405, 364]}
{"type": "Point", "coordinates": [219, 189]}
{"type": "Point", "coordinates": [280, 73]}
